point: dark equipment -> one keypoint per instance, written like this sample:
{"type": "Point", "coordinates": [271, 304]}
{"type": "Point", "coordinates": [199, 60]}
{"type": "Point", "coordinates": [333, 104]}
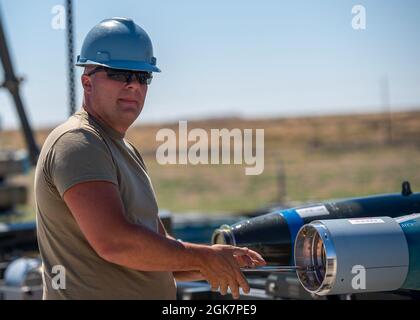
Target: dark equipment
{"type": "Point", "coordinates": [16, 239]}
{"type": "Point", "coordinates": [11, 83]}
{"type": "Point", "coordinates": [273, 234]}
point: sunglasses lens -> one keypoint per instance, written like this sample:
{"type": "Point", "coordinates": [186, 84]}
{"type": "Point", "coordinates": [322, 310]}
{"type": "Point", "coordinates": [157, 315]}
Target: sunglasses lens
{"type": "Point", "coordinates": [144, 78]}
{"type": "Point", "coordinates": [127, 76]}
{"type": "Point", "coordinates": [120, 77]}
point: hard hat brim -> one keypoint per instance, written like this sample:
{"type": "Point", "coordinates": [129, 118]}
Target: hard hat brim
{"type": "Point", "coordinates": [123, 65]}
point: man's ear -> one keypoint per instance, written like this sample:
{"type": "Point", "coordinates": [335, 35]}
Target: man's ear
{"type": "Point", "coordinates": [86, 83]}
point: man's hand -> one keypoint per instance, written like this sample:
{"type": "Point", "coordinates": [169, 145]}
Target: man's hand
{"type": "Point", "coordinates": [220, 266]}
{"type": "Point", "coordinates": [250, 260]}
{"type": "Point", "coordinates": [238, 258]}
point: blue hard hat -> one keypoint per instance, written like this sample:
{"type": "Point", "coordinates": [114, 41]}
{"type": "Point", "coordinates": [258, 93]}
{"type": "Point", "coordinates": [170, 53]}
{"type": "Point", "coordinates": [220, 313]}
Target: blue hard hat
{"type": "Point", "coordinates": [118, 43]}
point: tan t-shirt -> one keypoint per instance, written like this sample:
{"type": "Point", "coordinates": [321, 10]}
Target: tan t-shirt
{"type": "Point", "coordinates": [86, 149]}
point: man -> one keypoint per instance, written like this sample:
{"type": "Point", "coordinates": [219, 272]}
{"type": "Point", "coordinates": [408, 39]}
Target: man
{"type": "Point", "coordinates": [97, 216]}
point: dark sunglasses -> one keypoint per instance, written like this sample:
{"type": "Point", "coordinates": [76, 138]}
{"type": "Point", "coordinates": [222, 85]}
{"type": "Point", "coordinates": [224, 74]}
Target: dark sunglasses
{"type": "Point", "coordinates": [124, 75]}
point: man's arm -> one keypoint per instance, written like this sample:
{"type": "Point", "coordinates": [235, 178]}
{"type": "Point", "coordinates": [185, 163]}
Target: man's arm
{"type": "Point", "coordinates": [192, 275]}
{"type": "Point", "coordinates": [98, 210]}
{"type": "Point", "coordinates": [195, 275]}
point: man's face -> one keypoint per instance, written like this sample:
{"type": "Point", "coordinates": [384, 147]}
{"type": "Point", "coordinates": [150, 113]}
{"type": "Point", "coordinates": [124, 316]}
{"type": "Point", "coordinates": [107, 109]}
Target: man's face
{"type": "Point", "coordinates": [118, 103]}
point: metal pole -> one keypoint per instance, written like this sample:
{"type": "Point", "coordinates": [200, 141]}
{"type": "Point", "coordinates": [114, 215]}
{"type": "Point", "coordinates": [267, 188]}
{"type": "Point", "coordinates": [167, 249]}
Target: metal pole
{"type": "Point", "coordinates": [273, 269]}
{"type": "Point", "coordinates": [70, 57]}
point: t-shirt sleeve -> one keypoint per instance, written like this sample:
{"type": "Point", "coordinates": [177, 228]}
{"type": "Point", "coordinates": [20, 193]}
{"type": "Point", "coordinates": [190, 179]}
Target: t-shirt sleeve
{"type": "Point", "coordinates": [80, 156]}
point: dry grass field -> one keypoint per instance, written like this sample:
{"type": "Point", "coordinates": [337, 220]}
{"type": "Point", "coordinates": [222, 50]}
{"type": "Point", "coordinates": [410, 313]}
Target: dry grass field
{"type": "Point", "coordinates": [306, 159]}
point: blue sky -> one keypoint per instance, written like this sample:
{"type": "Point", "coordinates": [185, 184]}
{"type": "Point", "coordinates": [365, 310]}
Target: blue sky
{"type": "Point", "coordinates": [237, 57]}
